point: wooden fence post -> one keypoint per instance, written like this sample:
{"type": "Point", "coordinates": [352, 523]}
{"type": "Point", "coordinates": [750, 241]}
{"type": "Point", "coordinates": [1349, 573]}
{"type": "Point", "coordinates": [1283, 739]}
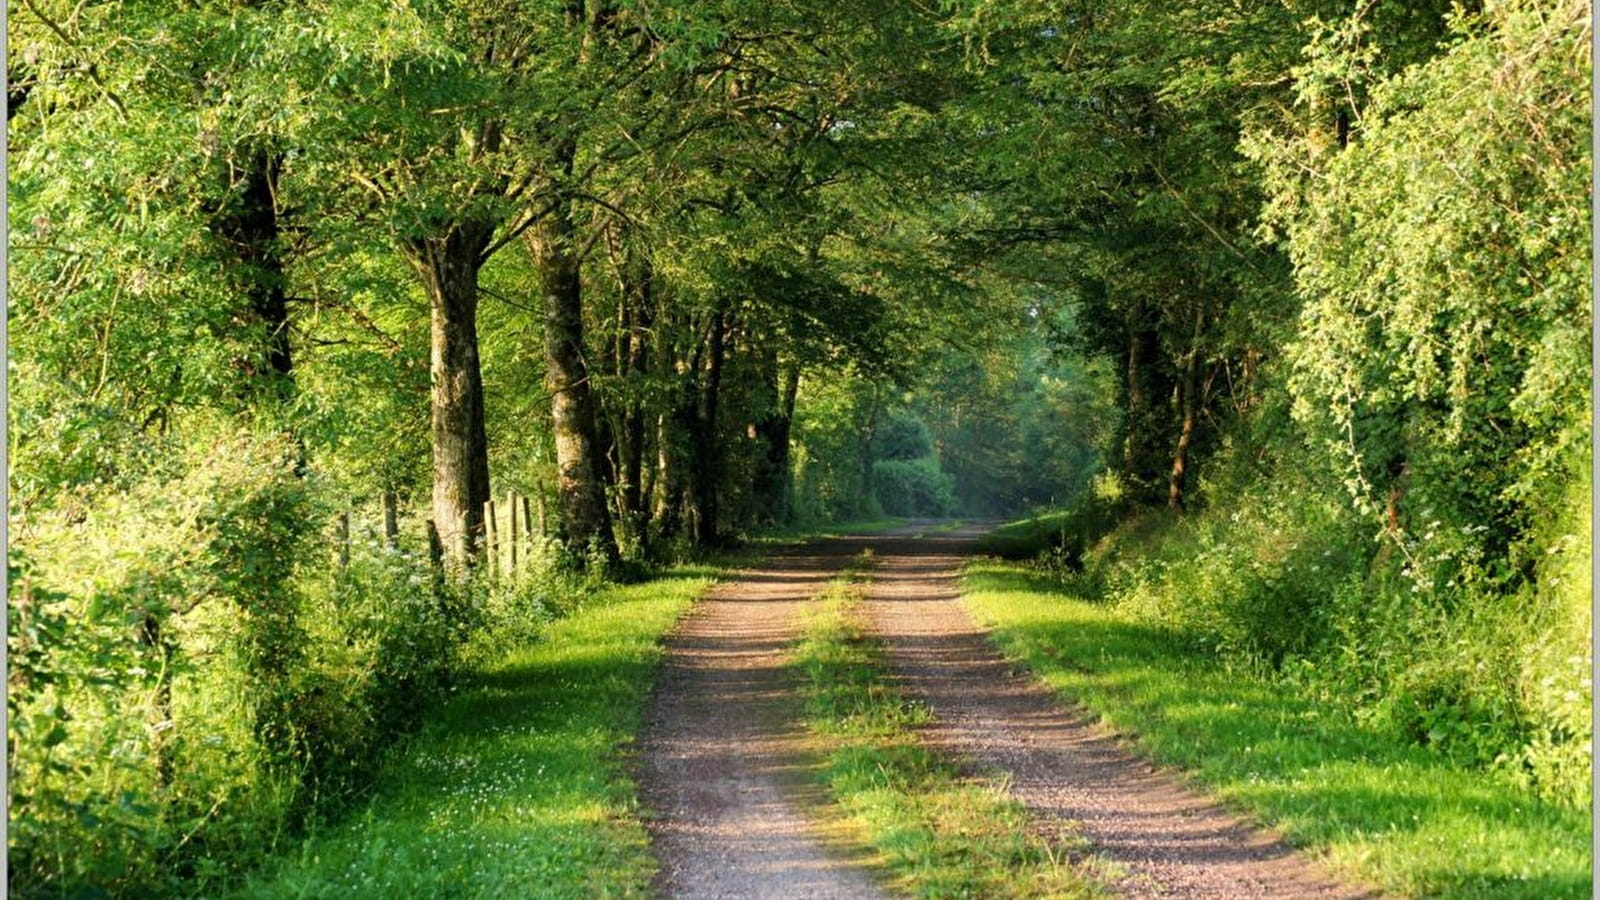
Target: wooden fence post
{"type": "Point", "coordinates": [511, 513]}
{"type": "Point", "coordinates": [490, 545]}
{"type": "Point", "coordinates": [391, 525]}
{"type": "Point", "coordinates": [436, 558]}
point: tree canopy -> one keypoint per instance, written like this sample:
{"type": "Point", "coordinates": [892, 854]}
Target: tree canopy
{"type": "Point", "coordinates": [678, 272]}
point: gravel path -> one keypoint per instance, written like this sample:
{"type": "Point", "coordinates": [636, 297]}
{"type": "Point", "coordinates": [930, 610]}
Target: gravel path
{"type": "Point", "coordinates": [1171, 841]}
{"type": "Point", "coordinates": [721, 763]}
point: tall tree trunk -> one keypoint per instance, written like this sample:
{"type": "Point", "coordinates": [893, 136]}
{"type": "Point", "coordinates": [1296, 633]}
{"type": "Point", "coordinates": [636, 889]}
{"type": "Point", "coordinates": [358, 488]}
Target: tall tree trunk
{"type": "Point", "coordinates": [668, 478]}
{"type": "Point", "coordinates": [637, 300]}
{"type": "Point", "coordinates": [580, 489]}
{"type": "Point", "coordinates": [1136, 397]}
{"type": "Point", "coordinates": [448, 264]}
{"type": "Point", "coordinates": [675, 365]}
{"type": "Point", "coordinates": [605, 360]}
{"type": "Point", "coordinates": [1186, 390]}
{"type": "Point", "coordinates": [705, 462]}
{"type": "Point", "coordinates": [864, 452]}
{"type": "Point", "coordinates": [773, 481]}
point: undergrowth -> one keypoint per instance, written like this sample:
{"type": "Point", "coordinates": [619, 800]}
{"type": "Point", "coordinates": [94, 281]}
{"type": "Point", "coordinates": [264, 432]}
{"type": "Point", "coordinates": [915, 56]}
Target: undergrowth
{"type": "Point", "coordinates": [1421, 638]}
{"type": "Point", "coordinates": [195, 682]}
{"type": "Point", "coordinates": [940, 834]}
{"type": "Point", "coordinates": [1062, 536]}
{"type": "Point", "coordinates": [805, 531]}
{"type": "Point", "coordinates": [515, 786]}
{"type": "Point", "coordinates": [1406, 705]}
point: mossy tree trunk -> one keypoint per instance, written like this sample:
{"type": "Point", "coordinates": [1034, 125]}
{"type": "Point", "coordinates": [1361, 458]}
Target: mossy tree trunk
{"type": "Point", "coordinates": [449, 263]}
{"type": "Point", "coordinates": [580, 488]}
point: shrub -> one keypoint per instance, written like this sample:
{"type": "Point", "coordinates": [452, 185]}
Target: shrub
{"type": "Point", "coordinates": [912, 487]}
{"type": "Point", "coordinates": [1284, 581]}
{"type": "Point", "coordinates": [192, 679]}
{"type": "Point", "coordinates": [174, 693]}
{"type": "Point", "coordinates": [902, 436]}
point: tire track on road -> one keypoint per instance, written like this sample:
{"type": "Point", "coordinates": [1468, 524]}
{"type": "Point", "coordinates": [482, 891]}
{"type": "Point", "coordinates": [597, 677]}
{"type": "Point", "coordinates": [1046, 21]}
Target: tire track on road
{"type": "Point", "coordinates": [722, 761]}
{"type": "Point", "coordinates": [1172, 841]}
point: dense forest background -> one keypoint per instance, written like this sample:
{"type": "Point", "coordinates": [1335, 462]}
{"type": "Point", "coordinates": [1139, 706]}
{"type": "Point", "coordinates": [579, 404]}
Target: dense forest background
{"type": "Point", "coordinates": [1287, 305]}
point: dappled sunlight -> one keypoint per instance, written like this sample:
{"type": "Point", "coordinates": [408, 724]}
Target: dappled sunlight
{"type": "Point", "coordinates": [384, 378]}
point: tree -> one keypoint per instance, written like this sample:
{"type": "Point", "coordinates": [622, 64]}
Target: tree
{"type": "Point", "coordinates": [1443, 340]}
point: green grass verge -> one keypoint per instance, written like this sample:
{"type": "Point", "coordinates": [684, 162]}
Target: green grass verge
{"type": "Point", "coordinates": [944, 527]}
{"type": "Point", "coordinates": [935, 832]}
{"type": "Point", "coordinates": [515, 786]}
{"type": "Point", "coordinates": [1390, 814]}
{"type": "Point", "coordinates": [1027, 538]}
{"type": "Point", "coordinates": [788, 534]}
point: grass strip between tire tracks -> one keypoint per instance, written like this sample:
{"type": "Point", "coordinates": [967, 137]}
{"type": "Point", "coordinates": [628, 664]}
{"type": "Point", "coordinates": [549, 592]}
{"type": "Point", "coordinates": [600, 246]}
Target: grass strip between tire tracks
{"type": "Point", "coordinates": [938, 834]}
{"type": "Point", "coordinates": [1385, 813]}
{"type": "Point", "coordinates": [515, 787]}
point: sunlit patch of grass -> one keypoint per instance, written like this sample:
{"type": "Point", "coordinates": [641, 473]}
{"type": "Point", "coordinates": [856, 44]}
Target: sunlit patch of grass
{"type": "Point", "coordinates": [1382, 811]}
{"type": "Point", "coordinates": [1064, 532]}
{"type": "Point", "coordinates": [786, 534]}
{"type": "Point", "coordinates": [1024, 538]}
{"type": "Point", "coordinates": [515, 787]}
{"type": "Point", "coordinates": [944, 527]}
{"type": "Point", "coordinates": [937, 833]}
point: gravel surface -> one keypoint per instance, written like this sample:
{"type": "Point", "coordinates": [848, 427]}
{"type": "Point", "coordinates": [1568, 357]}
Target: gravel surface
{"type": "Point", "coordinates": [720, 758]}
{"type": "Point", "coordinates": [1171, 841]}
{"type": "Point", "coordinates": [721, 762]}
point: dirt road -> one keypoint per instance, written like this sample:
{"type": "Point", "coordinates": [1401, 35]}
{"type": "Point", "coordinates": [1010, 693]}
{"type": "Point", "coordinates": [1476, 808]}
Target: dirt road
{"type": "Point", "coordinates": [1171, 841]}
{"type": "Point", "coordinates": [722, 770]}
{"type": "Point", "coordinates": [721, 767]}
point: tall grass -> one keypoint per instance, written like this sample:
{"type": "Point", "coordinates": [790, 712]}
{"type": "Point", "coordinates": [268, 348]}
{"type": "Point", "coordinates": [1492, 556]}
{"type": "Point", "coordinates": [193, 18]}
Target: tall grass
{"type": "Point", "coordinates": [1282, 586]}
{"type": "Point", "coordinates": [1298, 657]}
